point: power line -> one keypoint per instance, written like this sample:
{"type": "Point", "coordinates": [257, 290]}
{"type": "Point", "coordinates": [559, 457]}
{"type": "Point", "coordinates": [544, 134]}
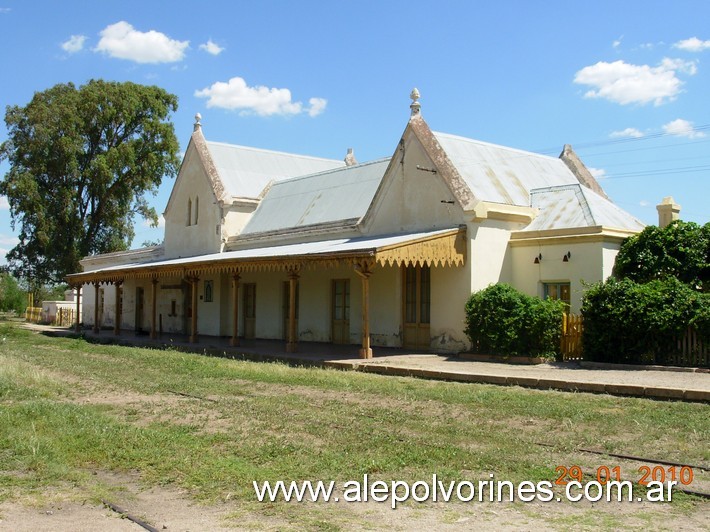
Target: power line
{"type": "Point", "coordinates": [593, 144]}
{"type": "Point", "coordinates": [665, 171]}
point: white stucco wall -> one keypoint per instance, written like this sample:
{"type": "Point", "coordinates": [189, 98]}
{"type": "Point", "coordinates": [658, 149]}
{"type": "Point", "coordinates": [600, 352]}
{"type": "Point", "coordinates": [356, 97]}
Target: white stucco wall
{"type": "Point", "coordinates": [192, 184]}
{"type": "Point", "coordinates": [450, 288]}
{"type": "Point", "coordinates": [315, 300]}
{"type": "Point", "coordinates": [590, 262]}
{"type": "Point", "coordinates": [489, 259]}
{"type": "Point", "coordinates": [412, 199]}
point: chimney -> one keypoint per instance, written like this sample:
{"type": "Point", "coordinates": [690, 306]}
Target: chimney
{"type": "Point", "coordinates": [350, 158]}
{"type": "Point", "coordinates": [668, 211]}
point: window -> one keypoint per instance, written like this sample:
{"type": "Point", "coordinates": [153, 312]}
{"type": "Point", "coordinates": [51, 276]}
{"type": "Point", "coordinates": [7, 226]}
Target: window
{"type": "Point", "coordinates": [189, 212]}
{"type": "Point", "coordinates": [197, 209]}
{"type": "Point", "coordinates": [208, 291]}
{"type": "Point", "coordinates": [558, 291]}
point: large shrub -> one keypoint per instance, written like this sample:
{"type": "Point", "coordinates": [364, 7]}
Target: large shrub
{"type": "Point", "coordinates": [680, 250]}
{"type": "Point", "coordinates": [503, 321]}
{"type": "Point", "coordinates": [629, 322]}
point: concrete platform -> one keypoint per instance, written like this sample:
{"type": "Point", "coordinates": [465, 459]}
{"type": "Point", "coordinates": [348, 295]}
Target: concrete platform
{"type": "Point", "coordinates": [682, 384]}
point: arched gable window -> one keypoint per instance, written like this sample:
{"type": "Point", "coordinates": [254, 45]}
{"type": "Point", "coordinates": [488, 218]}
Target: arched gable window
{"type": "Point", "coordinates": [197, 208]}
{"type": "Point", "coordinates": [189, 212]}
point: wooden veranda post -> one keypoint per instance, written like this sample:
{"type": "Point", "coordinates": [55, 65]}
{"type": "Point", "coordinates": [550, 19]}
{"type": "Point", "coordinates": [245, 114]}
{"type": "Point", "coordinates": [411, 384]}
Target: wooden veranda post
{"type": "Point", "coordinates": [193, 333]}
{"type": "Point", "coordinates": [153, 308]}
{"type": "Point", "coordinates": [291, 345]}
{"type": "Point", "coordinates": [97, 328]}
{"type": "Point", "coordinates": [364, 270]}
{"type": "Point", "coordinates": [235, 310]}
{"type": "Point", "coordinates": [78, 309]}
{"type": "Point", "coordinates": [117, 324]}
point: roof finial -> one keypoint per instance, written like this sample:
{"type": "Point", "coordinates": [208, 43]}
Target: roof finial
{"type": "Point", "coordinates": [415, 106]}
{"type": "Point", "coordinates": [198, 125]}
{"type": "Point", "coordinates": [350, 159]}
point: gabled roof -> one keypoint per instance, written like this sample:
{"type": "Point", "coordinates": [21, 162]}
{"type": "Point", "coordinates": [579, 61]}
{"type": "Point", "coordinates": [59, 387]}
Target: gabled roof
{"type": "Point", "coordinates": [245, 172]}
{"type": "Point", "coordinates": [569, 206]}
{"type": "Point", "coordinates": [499, 174]}
{"type": "Point", "coordinates": [335, 195]}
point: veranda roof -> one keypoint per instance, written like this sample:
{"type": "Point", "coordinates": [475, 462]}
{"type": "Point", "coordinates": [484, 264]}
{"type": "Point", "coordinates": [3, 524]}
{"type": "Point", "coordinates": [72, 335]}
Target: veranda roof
{"type": "Point", "coordinates": [446, 247]}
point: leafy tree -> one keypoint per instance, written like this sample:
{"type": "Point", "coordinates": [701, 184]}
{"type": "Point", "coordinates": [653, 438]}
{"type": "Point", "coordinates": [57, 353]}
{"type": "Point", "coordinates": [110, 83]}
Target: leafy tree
{"type": "Point", "coordinates": [12, 298]}
{"type": "Point", "coordinates": [680, 250]}
{"type": "Point", "coordinates": [81, 161]}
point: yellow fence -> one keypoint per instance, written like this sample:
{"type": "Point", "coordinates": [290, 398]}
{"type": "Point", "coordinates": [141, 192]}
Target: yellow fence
{"type": "Point", "coordinates": [571, 342]}
{"type": "Point", "coordinates": [33, 314]}
{"type": "Point", "coordinates": [690, 351]}
{"type": "Point", "coordinates": [64, 317]}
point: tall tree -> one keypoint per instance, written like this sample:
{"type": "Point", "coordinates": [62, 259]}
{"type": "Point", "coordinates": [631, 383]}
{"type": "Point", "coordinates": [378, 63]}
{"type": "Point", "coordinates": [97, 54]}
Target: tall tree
{"type": "Point", "coordinates": [81, 163]}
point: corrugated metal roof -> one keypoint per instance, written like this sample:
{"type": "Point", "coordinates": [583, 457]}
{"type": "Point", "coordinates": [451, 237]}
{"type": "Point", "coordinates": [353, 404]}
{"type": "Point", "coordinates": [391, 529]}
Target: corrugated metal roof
{"type": "Point", "coordinates": [246, 171]}
{"type": "Point", "coordinates": [503, 175]}
{"type": "Point", "coordinates": [341, 194]}
{"type": "Point", "coordinates": [569, 206]}
{"type": "Point", "coordinates": [304, 249]}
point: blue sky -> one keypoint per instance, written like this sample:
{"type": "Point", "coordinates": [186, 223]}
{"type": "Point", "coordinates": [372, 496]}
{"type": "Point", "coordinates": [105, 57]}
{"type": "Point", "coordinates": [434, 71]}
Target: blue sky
{"type": "Point", "coordinates": [626, 83]}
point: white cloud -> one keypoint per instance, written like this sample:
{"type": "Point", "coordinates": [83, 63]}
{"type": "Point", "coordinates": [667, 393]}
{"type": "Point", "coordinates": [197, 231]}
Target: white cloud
{"type": "Point", "coordinates": [161, 223]}
{"type": "Point", "coordinates": [597, 173]}
{"type": "Point", "coordinates": [3, 203]}
{"type": "Point", "coordinates": [629, 132]}
{"type": "Point", "coordinates": [6, 243]}
{"type": "Point", "coordinates": [211, 48]}
{"type": "Point", "coordinates": [644, 203]}
{"type": "Point", "coordinates": [617, 42]}
{"type": "Point", "coordinates": [682, 128]}
{"type": "Point", "coordinates": [7, 240]}
{"type": "Point", "coordinates": [74, 44]}
{"type": "Point", "coordinates": [122, 41]}
{"type": "Point", "coordinates": [624, 83]}
{"type": "Point", "coordinates": [263, 101]}
{"type": "Point", "coordinates": [317, 106]}
{"type": "Point", "coordinates": [687, 67]}
{"type": "Point", "coordinates": [692, 45]}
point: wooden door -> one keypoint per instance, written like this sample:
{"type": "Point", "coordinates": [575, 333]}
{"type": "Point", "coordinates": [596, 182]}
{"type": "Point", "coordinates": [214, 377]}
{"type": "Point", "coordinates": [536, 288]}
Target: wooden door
{"type": "Point", "coordinates": [249, 310]}
{"type": "Point", "coordinates": [285, 304]}
{"type": "Point", "coordinates": [102, 296]}
{"type": "Point", "coordinates": [416, 292]}
{"type": "Point", "coordinates": [140, 308]}
{"type": "Point", "coordinates": [341, 311]}
{"type": "Point", "coordinates": [187, 307]}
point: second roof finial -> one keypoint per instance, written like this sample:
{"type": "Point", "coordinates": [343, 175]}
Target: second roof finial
{"type": "Point", "coordinates": [415, 106]}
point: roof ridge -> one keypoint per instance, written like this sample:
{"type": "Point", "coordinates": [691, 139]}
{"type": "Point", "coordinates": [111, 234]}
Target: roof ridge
{"type": "Point", "coordinates": [331, 171]}
{"type": "Point", "coordinates": [263, 150]}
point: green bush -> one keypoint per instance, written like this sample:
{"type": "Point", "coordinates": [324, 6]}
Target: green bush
{"type": "Point", "coordinates": [503, 321]}
{"type": "Point", "coordinates": [12, 298]}
{"type": "Point", "coordinates": [680, 250]}
{"type": "Point", "coordinates": [628, 322]}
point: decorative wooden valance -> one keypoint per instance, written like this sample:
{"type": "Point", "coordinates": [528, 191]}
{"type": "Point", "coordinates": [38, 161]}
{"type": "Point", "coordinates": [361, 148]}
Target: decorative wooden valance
{"type": "Point", "coordinates": [448, 249]}
{"type": "Point", "coordinates": [445, 249]}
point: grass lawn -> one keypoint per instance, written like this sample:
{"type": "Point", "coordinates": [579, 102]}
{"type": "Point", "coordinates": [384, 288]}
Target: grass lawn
{"type": "Point", "coordinates": [83, 421]}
